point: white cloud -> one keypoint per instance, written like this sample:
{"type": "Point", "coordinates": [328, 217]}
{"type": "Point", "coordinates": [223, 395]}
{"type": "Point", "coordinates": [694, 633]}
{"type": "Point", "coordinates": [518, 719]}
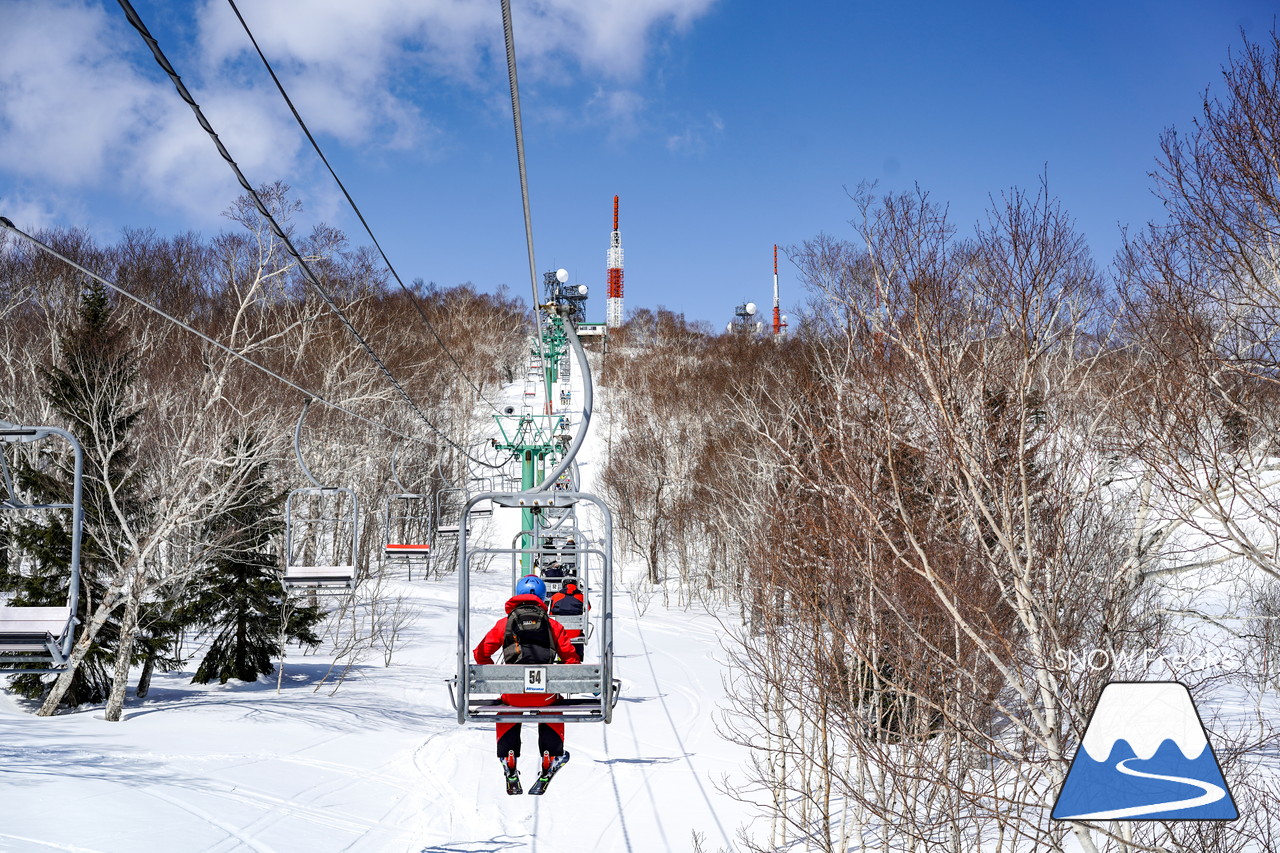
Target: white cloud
{"type": "Point", "coordinates": [81, 104]}
{"type": "Point", "coordinates": [67, 99]}
{"type": "Point", "coordinates": [28, 213]}
{"type": "Point", "coordinates": [611, 37]}
{"type": "Point", "coordinates": [698, 136]}
{"type": "Point", "coordinates": [618, 109]}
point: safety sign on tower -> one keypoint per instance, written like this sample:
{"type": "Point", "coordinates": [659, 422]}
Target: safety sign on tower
{"type": "Point", "coordinates": [1145, 755]}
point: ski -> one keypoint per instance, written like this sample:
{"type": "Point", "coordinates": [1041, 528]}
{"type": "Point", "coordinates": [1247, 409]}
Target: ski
{"type": "Point", "coordinates": [540, 785]}
{"type": "Point", "coordinates": [512, 775]}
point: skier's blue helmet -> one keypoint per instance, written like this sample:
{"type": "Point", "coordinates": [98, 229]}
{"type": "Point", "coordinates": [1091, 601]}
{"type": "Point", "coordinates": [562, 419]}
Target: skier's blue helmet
{"type": "Point", "coordinates": [531, 584]}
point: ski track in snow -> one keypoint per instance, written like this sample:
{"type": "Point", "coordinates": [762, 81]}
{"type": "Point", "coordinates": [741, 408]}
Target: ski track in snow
{"type": "Point", "coordinates": [34, 843]}
{"type": "Point", "coordinates": [381, 765]}
{"type": "Point", "coordinates": [215, 777]}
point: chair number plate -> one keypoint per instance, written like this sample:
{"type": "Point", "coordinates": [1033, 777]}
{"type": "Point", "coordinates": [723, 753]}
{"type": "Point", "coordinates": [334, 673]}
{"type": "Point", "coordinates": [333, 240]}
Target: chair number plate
{"type": "Point", "coordinates": [535, 680]}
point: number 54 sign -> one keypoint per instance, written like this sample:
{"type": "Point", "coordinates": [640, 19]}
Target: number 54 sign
{"type": "Point", "coordinates": [535, 679]}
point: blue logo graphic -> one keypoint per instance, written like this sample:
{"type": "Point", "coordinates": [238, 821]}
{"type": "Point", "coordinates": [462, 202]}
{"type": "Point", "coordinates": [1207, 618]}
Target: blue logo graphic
{"type": "Point", "coordinates": [1145, 755]}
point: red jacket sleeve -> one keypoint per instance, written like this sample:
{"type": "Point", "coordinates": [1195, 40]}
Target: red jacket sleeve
{"type": "Point", "coordinates": [568, 651]}
{"type": "Point", "coordinates": [491, 643]}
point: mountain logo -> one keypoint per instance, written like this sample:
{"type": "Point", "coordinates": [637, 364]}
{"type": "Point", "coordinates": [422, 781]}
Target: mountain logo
{"type": "Point", "coordinates": [1145, 755]}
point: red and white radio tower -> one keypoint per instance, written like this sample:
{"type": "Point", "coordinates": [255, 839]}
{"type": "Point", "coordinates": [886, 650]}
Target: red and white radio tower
{"type": "Point", "coordinates": [613, 304]}
{"type": "Point", "coordinates": [779, 327]}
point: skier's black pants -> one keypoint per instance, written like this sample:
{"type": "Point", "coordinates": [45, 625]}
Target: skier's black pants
{"type": "Point", "coordinates": [550, 738]}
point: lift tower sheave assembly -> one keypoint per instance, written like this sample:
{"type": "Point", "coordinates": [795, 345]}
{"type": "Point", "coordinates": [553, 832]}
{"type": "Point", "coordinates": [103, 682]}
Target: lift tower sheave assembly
{"type": "Point", "coordinates": [536, 439]}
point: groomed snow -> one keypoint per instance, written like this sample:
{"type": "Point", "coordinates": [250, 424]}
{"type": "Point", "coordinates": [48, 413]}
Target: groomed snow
{"type": "Point", "coordinates": [382, 765]}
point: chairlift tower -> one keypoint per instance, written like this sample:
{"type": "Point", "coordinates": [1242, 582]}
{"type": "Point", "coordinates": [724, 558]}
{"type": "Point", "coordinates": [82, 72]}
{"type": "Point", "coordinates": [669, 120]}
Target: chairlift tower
{"type": "Point", "coordinates": [536, 440]}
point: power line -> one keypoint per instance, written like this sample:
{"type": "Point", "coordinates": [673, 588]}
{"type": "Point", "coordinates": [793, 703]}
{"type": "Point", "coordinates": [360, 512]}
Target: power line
{"type": "Point", "coordinates": [136, 21]}
{"type": "Point", "coordinates": [359, 215]}
{"type": "Point", "coordinates": [45, 247]}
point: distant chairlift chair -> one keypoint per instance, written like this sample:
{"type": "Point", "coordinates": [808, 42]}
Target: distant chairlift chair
{"type": "Point", "coordinates": [39, 639]}
{"type": "Point", "coordinates": [450, 531]}
{"type": "Point", "coordinates": [322, 541]}
{"type": "Point", "coordinates": [407, 522]}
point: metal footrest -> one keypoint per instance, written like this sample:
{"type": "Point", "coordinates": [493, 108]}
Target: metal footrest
{"type": "Point", "coordinates": [565, 711]}
{"type": "Point", "coordinates": [494, 679]}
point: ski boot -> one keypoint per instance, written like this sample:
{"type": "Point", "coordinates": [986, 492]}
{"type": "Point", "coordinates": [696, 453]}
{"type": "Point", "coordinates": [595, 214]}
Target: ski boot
{"type": "Point", "coordinates": [550, 766]}
{"type": "Point", "coordinates": [511, 773]}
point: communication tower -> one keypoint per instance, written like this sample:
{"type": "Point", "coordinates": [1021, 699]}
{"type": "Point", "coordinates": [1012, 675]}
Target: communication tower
{"type": "Point", "coordinates": [613, 302]}
{"type": "Point", "coordinates": [744, 320]}
{"type": "Point", "coordinates": [779, 321]}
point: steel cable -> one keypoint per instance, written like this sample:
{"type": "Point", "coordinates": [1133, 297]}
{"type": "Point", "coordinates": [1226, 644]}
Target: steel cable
{"type": "Point", "coordinates": [359, 215]}
{"type": "Point", "coordinates": [136, 22]}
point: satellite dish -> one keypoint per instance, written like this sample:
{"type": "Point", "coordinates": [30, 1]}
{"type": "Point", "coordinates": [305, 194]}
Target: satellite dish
{"type": "Point", "coordinates": [562, 276]}
{"type": "Point", "coordinates": [728, 327]}
{"type": "Point", "coordinates": [582, 290]}
{"type": "Point", "coordinates": [751, 309]}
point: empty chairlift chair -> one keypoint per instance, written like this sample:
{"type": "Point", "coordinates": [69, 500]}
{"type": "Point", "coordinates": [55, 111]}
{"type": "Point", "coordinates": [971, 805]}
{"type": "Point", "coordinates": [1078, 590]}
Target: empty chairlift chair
{"type": "Point", "coordinates": [407, 522]}
{"type": "Point", "coordinates": [450, 530]}
{"type": "Point", "coordinates": [39, 638]}
{"type": "Point", "coordinates": [482, 485]}
{"type": "Point", "coordinates": [321, 532]}
{"type": "Point", "coordinates": [322, 539]}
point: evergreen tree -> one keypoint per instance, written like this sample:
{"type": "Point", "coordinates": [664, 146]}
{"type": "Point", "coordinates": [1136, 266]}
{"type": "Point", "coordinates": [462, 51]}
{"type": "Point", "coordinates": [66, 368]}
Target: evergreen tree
{"type": "Point", "coordinates": [240, 598]}
{"type": "Point", "coordinates": [89, 388]}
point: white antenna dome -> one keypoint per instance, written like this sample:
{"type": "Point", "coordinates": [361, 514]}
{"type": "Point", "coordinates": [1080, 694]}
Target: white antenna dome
{"type": "Point", "coordinates": [562, 276]}
{"type": "Point", "coordinates": [582, 290]}
{"type": "Point", "coordinates": [728, 327]}
{"type": "Point", "coordinates": [751, 308]}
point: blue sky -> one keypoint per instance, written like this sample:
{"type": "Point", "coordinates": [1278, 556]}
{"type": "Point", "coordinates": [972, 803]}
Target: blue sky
{"type": "Point", "coordinates": [725, 125]}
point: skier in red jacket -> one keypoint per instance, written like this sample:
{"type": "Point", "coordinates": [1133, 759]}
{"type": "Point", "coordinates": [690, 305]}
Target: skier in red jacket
{"type": "Point", "coordinates": [540, 645]}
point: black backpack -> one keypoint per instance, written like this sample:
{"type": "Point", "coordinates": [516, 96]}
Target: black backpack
{"type": "Point", "coordinates": [528, 636]}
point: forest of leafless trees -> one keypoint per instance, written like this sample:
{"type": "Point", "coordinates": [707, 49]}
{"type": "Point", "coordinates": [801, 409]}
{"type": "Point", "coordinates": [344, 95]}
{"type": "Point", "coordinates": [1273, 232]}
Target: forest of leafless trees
{"type": "Point", "coordinates": [179, 432]}
{"type": "Point", "coordinates": [983, 477]}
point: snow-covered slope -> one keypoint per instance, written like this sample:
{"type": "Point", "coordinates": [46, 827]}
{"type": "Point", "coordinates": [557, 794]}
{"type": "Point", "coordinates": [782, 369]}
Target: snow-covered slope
{"type": "Point", "coordinates": [381, 765]}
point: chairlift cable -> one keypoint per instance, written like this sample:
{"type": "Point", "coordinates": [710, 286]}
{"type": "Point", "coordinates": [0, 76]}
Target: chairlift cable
{"type": "Point", "coordinates": [45, 247]}
{"type": "Point", "coordinates": [510, 38]}
{"type": "Point", "coordinates": [136, 21]}
{"type": "Point", "coordinates": [359, 215]}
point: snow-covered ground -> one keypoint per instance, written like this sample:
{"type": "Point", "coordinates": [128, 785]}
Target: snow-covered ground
{"type": "Point", "coordinates": [382, 765]}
